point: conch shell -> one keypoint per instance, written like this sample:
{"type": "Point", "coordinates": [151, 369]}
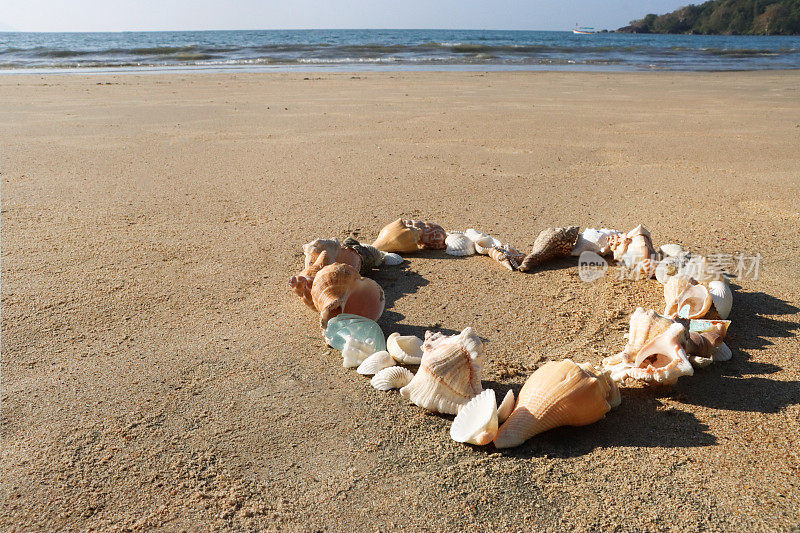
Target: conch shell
{"type": "Point", "coordinates": [476, 422]}
{"type": "Point", "coordinates": [449, 374]}
{"type": "Point", "coordinates": [507, 255]}
{"type": "Point", "coordinates": [705, 341]}
{"type": "Point", "coordinates": [635, 249]}
{"type": "Point", "coordinates": [559, 393]}
{"type": "Point", "coordinates": [550, 244]}
{"type": "Point", "coordinates": [664, 359]}
{"type": "Point", "coordinates": [336, 253]}
{"type": "Point", "coordinates": [338, 288]}
{"type": "Point", "coordinates": [644, 327]}
{"type": "Point", "coordinates": [409, 236]}
{"type": "Point", "coordinates": [594, 240]}
{"type": "Point", "coordinates": [686, 298]}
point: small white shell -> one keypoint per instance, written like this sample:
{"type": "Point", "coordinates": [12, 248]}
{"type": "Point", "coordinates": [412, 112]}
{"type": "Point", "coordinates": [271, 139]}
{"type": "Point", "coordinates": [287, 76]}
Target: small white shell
{"type": "Point", "coordinates": [671, 250]}
{"type": "Point", "coordinates": [506, 407]}
{"type": "Point", "coordinates": [375, 363]}
{"type": "Point", "coordinates": [485, 245]}
{"type": "Point", "coordinates": [476, 422]}
{"type": "Point", "coordinates": [355, 351]}
{"type": "Point", "coordinates": [391, 259]}
{"type": "Point", "coordinates": [722, 353]}
{"type": "Point", "coordinates": [594, 240]}
{"type": "Point", "coordinates": [459, 244]}
{"type": "Point", "coordinates": [475, 235]}
{"type": "Point", "coordinates": [394, 377]}
{"type": "Point", "coordinates": [406, 349]}
{"type": "Point", "coordinates": [722, 296]}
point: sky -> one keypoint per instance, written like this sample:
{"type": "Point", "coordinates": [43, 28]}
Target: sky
{"type": "Point", "coordinates": [142, 15]}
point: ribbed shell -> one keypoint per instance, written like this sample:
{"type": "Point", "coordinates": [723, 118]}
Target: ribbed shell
{"type": "Point", "coordinates": [398, 237]}
{"type": "Point", "coordinates": [338, 288]}
{"type": "Point", "coordinates": [476, 422]}
{"type": "Point", "coordinates": [459, 244]}
{"type": "Point", "coordinates": [391, 259]}
{"type": "Point", "coordinates": [355, 351]}
{"type": "Point", "coordinates": [375, 363]}
{"type": "Point", "coordinates": [449, 374]}
{"type": "Point", "coordinates": [550, 244]}
{"type": "Point", "coordinates": [722, 297]}
{"type": "Point", "coordinates": [506, 406]}
{"type": "Point", "coordinates": [558, 394]}
{"type": "Point", "coordinates": [644, 327]}
{"type": "Point", "coordinates": [390, 378]}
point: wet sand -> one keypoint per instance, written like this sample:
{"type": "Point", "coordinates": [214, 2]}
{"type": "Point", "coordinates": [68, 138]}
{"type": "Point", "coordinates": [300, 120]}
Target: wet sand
{"type": "Point", "coordinates": [158, 372]}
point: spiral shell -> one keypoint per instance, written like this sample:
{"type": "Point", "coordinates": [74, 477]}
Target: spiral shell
{"type": "Point", "coordinates": [550, 244]}
{"type": "Point", "coordinates": [507, 256]}
{"type": "Point", "coordinates": [338, 288]}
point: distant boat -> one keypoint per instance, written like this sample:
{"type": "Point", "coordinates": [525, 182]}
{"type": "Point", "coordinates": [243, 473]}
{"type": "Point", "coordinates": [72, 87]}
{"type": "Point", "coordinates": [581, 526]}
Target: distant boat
{"type": "Point", "coordinates": [583, 30]}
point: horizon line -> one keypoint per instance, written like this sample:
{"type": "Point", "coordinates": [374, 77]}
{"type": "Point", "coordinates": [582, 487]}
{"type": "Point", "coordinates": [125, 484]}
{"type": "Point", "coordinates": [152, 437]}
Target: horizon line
{"type": "Point", "coordinates": [284, 29]}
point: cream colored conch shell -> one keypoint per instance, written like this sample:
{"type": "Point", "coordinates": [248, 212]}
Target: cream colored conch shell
{"type": "Point", "coordinates": [559, 393]}
{"type": "Point", "coordinates": [336, 253]}
{"type": "Point", "coordinates": [704, 343]}
{"type": "Point", "coordinates": [507, 255]}
{"type": "Point", "coordinates": [375, 363]}
{"type": "Point", "coordinates": [722, 297]}
{"type": "Point", "coordinates": [686, 298]}
{"type": "Point", "coordinates": [449, 374]}
{"type": "Point", "coordinates": [409, 236]}
{"type": "Point", "coordinates": [338, 288]}
{"type": "Point", "coordinates": [476, 422]}
{"type": "Point", "coordinates": [594, 240]}
{"type": "Point", "coordinates": [550, 244]}
{"type": "Point", "coordinates": [355, 351]}
{"type": "Point", "coordinates": [506, 406]}
{"type": "Point", "coordinates": [394, 377]}
{"type": "Point", "coordinates": [636, 251]}
{"type": "Point", "coordinates": [406, 349]}
{"type": "Point", "coordinates": [459, 244]}
{"type": "Point", "coordinates": [663, 360]}
{"type": "Point", "coordinates": [644, 327]}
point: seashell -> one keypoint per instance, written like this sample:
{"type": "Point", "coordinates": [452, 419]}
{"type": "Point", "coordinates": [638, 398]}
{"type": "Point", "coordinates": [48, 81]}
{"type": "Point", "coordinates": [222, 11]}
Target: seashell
{"type": "Point", "coordinates": [507, 256]}
{"type": "Point", "coordinates": [722, 297]}
{"type": "Point", "coordinates": [722, 353]}
{"type": "Point", "coordinates": [338, 288]}
{"type": "Point", "coordinates": [336, 253]}
{"type": "Point", "coordinates": [475, 235]}
{"type": "Point", "coordinates": [371, 257]}
{"type": "Point", "coordinates": [459, 244]}
{"type": "Point", "coordinates": [639, 254]}
{"type": "Point", "coordinates": [375, 363]}
{"type": "Point", "coordinates": [476, 422]}
{"type": "Point", "coordinates": [559, 393]}
{"type": "Point", "coordinates": [394, 377]}
{"type": "Point", "coordinates": [410, 236]}
{"type": "Point", "coordinates": [391, 259]}
{"type": "Point", "coordinates": [593, 240]}
{"type": "Point", "coordinates": [644, 327]}
{"type": "Point", "coordinates": [701, 269]}
{"type": "Point", "coordinates": [671, 250]}
{"type": "Point", "coordinates": [406, 349]}
{"type": "Point", "coordinates": [550, 244]}
{"type": "Point", "coordinates": [506, 406]}
{"type": "Point", "coordinates": [705, 336]}
{"type": "Point", "coordinates": [668, 267]}
{"type": "Point", "coordinates": [449, 374]}
{"type": "Point", "coordinates": [301, 285]}
{"type": "Point", "coordinates": [686, 298]}
{"type": "Point", "coordinates": [355, 351]}
{"type": "Point", "coordinates": [346, 325]}
{"type": "Point", "coordinates": [663, 360]}
{"type": "Point", "coordinates": [432, 235]}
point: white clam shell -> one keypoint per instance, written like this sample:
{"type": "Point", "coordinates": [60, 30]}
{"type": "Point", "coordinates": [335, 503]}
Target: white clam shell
{"type": "Point", "coordinates": [406, 349]}
{"type": "Point", "coordinates": [722, 296]}
{"type": "Point", "coordinates": [506, 406]}
{"type": "Point", "coordinates": [484, 245]}
{"type": "Point", "coordinates": [375, 363]}
{"type": "Point", "coordinates": [671, 250]}
{"type": "Point", "coordinates": [476, 422]}
{"type": "Point", "coordinates": [394, 377]}
{"type": "Point", "coordinates": [355, 351]}
{"type": "Point", "coordinates": [459, 244]}
{"type": "Point", "coordinates": [391, 259]}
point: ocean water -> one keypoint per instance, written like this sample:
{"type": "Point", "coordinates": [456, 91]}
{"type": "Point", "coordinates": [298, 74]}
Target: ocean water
{"type": "Point", "coordinates": [391, 49]}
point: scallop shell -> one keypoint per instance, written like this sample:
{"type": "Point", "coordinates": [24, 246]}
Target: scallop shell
{"type": "Point", "coordinates": [506, 406]}
{"type": "Point", "coordinates": [663, 360]}
{"type": "Point", "coordinates": [391, 259]}
{"type": "Point", "coordinates": [338, 288]}
{"type": "Point", "coordinates": [449, 374]}
{"type": "Point", "coordinates": [355, 351]}
{"type": "Point", "coordinates": [459, 244]}
{"type": "Point", "coordinates": [406, 349]}
{"type": "Point", "coordinates": [559, 393]}
{"type": "Point", "coordinates": [550, 244]}
{"type": "Point", "coordinates": [722, 297]}
{"type": "Point", "coordinates": [686, 298]}
{"type": "Point", "coordinates": [375, 363]}
{"type": "Point", "coordinates": [476, 422]}
{"type": "Point", "coordinates": [593, 240]}
{"type": "Point", "coordinates": [394, 377]}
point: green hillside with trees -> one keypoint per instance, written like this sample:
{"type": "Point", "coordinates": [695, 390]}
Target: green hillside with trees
{"type": "Point", "coordinates": [725, 17]}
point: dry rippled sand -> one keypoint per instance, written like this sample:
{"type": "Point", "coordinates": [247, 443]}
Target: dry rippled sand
{"type": "Point", "coordinates": [157, 371]}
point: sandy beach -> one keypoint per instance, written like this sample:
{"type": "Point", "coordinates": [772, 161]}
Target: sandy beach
{"type": "Point", "coordinates": [157, 372]}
